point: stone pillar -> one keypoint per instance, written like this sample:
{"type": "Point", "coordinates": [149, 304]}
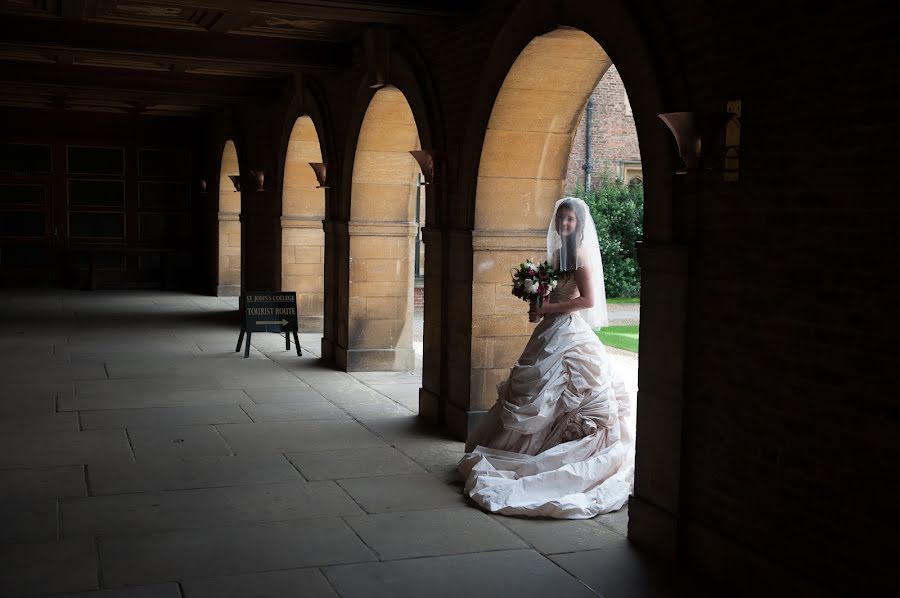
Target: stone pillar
{"type": "Point", "coordinates": [302, 259]}
{"type": "Point", "coordinates": [458, 331]}
{"type": "Point", "coordinates": [380, 295]}
{"type": "Point", "coordinates": [500, 326]}
{"type": "Point", "coordinates": [433, 360]}
{"type": "Point", "coordinates": [654, 509]}
{"type": "Point", "coordinates": [229, 254]}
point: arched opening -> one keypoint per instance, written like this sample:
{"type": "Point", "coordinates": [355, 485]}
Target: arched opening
{"type": "Point", "coordinates": [522, 172]}
{"type": "Point", "coordinates": [302, 237]}
{"type": "Point", "coordinates": [229, 275]}
{"type": "Point", "coordinates": [382, 230]}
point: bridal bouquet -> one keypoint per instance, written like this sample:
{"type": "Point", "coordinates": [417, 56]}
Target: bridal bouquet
{"type": "Point", "coordinates": [533, 282]}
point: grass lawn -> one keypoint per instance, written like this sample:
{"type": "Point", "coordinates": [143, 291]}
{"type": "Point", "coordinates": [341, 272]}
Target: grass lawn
{"type": "Point", "coordinates": [621, 337]}
{"type": "Point", "coordinates": [623, 300]}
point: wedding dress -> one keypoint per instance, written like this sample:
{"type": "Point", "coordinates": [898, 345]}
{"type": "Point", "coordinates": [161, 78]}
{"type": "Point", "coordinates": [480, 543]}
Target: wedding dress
{"type": "Point", "coordinates": [558, 442]}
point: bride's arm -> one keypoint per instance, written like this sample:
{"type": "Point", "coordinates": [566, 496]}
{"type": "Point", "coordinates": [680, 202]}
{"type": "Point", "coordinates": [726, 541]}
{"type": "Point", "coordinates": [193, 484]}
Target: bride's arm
{"type": "Point", "coordinates": [585, 299]}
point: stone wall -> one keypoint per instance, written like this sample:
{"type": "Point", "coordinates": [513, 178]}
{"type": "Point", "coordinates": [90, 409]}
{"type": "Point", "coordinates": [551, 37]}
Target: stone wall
{"type": "Point", "coordinates": [767, 414]}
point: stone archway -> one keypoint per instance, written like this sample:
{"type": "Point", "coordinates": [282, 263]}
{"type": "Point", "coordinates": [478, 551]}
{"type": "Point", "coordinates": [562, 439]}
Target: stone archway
{"type": "Point", "coordinates": [302, 237]}
{"type": "Point", "coordinates": [382, 230]}
{"type": "Point", "coordinates": [229, 219]}
{"type": "Point", "coordinates": [521, 174]}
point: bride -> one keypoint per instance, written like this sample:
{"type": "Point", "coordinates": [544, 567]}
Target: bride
{"type": "Point", "coordinates": [557, 442]}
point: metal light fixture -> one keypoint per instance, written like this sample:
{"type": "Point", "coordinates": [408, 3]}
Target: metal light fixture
{"type": "Point", "coordinates": [236, 181]}
{"type": "Point", "coordinates": [203, 186]}
{"type": "Point", "coordinates": [379, 81]}
{"type": "Point", "coordinates": [260, 176]}
{"type": "Point", "coordinates": [321, 171]}
{"type": "Point", "coordinates": [426, 160]}
{"type": "Point", "coordinates": [697, 135]}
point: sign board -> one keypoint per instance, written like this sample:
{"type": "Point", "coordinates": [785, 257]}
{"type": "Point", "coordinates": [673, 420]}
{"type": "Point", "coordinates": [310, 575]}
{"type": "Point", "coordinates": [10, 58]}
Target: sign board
{"type": "Point", "coordinates": [274, 311]}
{"type": "Point", "coordinates": [270, 312]}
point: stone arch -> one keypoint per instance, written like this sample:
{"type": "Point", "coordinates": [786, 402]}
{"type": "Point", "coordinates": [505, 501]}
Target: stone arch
{"type": "Point", "coordinates": [655, 84]}
{"type": "Point", "coordinates": [229, 279]}
{"type": "Point", "coordinates": [381, 230]}
{"type": "Point", "coordinates": [521, 174]}
{"type": "Point", "coordinates": [302, 236]}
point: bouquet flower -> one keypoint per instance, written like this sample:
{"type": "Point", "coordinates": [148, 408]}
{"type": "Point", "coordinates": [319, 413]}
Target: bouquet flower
{"type": "Point", "coordinates": [533, 282]}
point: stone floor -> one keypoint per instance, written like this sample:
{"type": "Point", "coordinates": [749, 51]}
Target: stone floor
{"type": "Point", "coordinates": [141, 457]}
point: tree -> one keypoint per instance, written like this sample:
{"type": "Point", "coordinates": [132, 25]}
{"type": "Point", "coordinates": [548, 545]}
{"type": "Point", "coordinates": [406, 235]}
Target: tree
{"type": "Point", "coordinates": [618, 212]}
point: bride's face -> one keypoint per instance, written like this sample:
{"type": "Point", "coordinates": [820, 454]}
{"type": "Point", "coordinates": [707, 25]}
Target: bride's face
{"type": "Point", "coordinates": [566, 222]}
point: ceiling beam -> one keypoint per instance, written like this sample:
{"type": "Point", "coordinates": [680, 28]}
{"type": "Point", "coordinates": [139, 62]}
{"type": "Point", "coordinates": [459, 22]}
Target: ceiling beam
{"type": "Point", "coordinates": [201, 48]}
{"type": "Point", "coordinates": [388, 13]}
{"type": "Point", "coordinates": [155, 87]}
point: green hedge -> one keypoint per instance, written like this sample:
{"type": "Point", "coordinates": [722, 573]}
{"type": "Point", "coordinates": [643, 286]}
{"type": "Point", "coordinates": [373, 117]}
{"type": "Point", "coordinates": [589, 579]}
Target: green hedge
{"type": "Point", "coordinates": [618, 212]}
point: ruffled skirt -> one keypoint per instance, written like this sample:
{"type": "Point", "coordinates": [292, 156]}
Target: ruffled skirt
{"type": "Point", "coordinates": [557, 443]}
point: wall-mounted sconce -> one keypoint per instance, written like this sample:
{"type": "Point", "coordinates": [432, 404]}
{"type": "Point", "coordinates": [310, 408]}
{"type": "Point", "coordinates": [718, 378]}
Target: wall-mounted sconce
{"type": "Point", "coordinates": [236, 181]}
{"type": "Point", "coordinates": [427, 160]}
{"type": "Point", "coordinates": [321, 171]}
{"type": "Point", "coordinates": [260, 177]}
{"type": "Point", "coordinates": [379, 81]}
{"type": "Point", "coordinates": [203, 185]}
{"type": "Point", "coordinates": [697, 135]}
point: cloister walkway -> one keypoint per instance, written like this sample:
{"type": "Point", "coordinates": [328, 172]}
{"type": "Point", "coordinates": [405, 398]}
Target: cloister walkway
{"type": "Point", "coordinates": [139, 452]}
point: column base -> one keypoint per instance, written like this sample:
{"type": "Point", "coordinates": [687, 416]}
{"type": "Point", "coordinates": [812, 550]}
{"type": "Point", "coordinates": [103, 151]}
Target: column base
{"type": "Point", "coordinates": [653, 528]}
{"type": "Point", "coordinates": [429, 406]}
{"type": "Point", "coordinates": [460, 422]}
{"type": "Point", "coordinates": [311, 323]}
{"type": "Point", "coordinates": [228, 290]}
{"type": "Point", "coordinates": [327, 352]}
{"type": "Point", "coordinates": [375, 360]}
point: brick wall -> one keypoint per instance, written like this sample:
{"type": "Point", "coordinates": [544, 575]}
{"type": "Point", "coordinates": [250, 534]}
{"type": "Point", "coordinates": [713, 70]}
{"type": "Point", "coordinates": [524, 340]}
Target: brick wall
{"type": "Point", "coordinates": [613, 136]}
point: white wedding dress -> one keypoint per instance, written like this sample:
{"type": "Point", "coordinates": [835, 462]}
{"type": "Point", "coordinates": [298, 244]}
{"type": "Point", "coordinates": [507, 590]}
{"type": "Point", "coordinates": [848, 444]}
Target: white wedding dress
{"type": "Point", "coordinates": [557, 443]}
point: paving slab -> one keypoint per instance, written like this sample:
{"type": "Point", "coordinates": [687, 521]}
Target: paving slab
{"type": "Point", "coordinates": [275, 412]}
{"type": "Point", "coordinates": [183, 441]}
{"type": "Point", "coordinates": [203, 508]}
{"type": "Point", "coordinates": [163, 590]}
{"type": "Point", "coordinates": [385, 408]}
{"type": "Point", "coordinates": [616, 521]}
{"type": "Point", "coordinates": [519, 573]}
{"type": "Point", "coordinates": [439, 457]}
{"type": "Point", "coordinates": [402, 493]}
{"type": "Point", "coordinates": [434, 532]}
{"type": "Point", "coordinates": [63, 448]}
{"type": "Point", "coordinates": [173, 473]}
{"type": "Point", "coordinates": [229, 551]}
{"type": "Point", "coordinates": [54, 567]}
{"type": "Point", "coordinates": [353, 463]}
{"type": "Point", "coordinates": [126, 387]}
{"type": "Point", "coordinates": [305, 583]}
{"type": "Point", "coordinates": [550, 536]}
{"type": "Point", "coordinates": [622, 572]}
{"type": "Point", "coordinates": [301, 393]}
{"type": "Point", "coordinates": [29, 522]}
{"type": "Point", "coordinates": [25, 406]}
{"type": "Point", "coordinates": [54, 422]}
{"type": "Point", "coordinates": [294, 437]}
{"type": "Point", "coordinates": [43, 483]}
{"type": "Point", "coordinates": [148, 398]}
{"type": "Point", "coordinates": [163, 417]}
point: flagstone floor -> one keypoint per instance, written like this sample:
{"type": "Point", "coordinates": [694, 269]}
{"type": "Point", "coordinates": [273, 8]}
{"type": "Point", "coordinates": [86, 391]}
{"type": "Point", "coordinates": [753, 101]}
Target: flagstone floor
{"type": "Point", "coordinates": [141, 457]}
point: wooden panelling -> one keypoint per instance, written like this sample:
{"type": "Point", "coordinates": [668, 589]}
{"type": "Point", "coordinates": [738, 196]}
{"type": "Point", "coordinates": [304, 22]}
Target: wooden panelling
{"type": "Point", "coordinates": [95, 160]}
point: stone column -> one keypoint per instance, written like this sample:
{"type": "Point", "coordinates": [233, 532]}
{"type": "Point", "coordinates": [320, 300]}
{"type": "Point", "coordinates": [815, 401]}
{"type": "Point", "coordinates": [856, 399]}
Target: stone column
{"type": "Point", "coordinates": [654, 508]}
{"type": "Point", "coordinates": [500, 326]}
{"type": "Point", "coordinates": [433, 360]}
{"type": "Point", "coordinates": [229, 254]}
{"type": "Point", "coordinates": [380, 295]}
{"type": "Point", "coordinates": [302, 260]}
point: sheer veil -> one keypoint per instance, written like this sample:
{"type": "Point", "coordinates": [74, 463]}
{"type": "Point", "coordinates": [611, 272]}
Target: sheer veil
{"type": "Point", "coordinates": [587, 254]}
